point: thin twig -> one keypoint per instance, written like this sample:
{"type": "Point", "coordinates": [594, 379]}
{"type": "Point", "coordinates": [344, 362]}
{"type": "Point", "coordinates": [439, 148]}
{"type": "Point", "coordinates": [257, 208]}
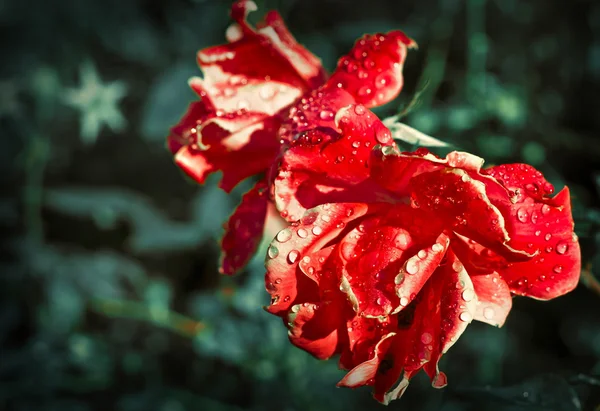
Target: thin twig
{"type": "Point", "coordinates": [138, 311]}
{"type": "Point", "coordinates": [588, 279]}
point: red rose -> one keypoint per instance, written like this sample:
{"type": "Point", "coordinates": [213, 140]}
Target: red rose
{"type": "Point", "coordinates": [257, 92]}
{"type": "Point", "coordinates": [399, 252]}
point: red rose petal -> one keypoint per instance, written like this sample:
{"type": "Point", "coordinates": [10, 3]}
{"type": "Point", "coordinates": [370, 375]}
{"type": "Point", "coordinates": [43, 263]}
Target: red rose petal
{"type": "Point", "coordinates": [417, 270]}
{"type": "Point", "coordinates": [365, 372]}
{"type": "Point", "coordinates": [318, 226]}
{"type": "Point", "coordinates": [263, 70]}
{"type": "Point", "coordinates": [313, 328]}
{"type": "Point", "coordinates": [556, 267]}
{"type": "Point", "coordinates": [306, 64]}
{"type": "Point", "coordinates": [461, 202]}
{"type": "Point", "coordinates": [372, 71]}
{"type": "Point", "coordinates": [494, 300]}
{"type": "Point", "coordinates": [243, 231]}
{"type": "Point", "coordinates": [372, 260]}
{"type": "Point", "coordinates": [439, 315]}
{"type": "Point", "coordinates": [322, 166]}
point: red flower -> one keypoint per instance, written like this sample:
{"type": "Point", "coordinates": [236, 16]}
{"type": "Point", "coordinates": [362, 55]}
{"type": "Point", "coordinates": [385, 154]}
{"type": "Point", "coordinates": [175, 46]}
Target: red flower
{"type": "Point", "coordinates": [399, 252]}
{"type": "Point", "coordinates": [257, 92]}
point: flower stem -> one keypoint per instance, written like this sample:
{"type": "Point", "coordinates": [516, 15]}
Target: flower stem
{"type": "Point", "coordinates": [588, 279]}
{"type": "Point", "coordinates": [138, 311]}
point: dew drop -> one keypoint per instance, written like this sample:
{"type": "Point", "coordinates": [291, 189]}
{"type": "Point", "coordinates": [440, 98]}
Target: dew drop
{"type": "Point", "coordinates": [537, 233]}
{"type": "Point", "coordinates": [302, 233]}
{"type": "Point", "coordinates": [426, 338]}
{"type": "Point", "coordinates": [296, 308]}
{"type": "Point", "coordinates": [561, 247]}
{"type": "Point", "coordinates": [411, 266]}
{"type": "Point", "coordinates": [488, 313]}
{"type": "Point", "coordinates": [468, 294]}
{"type": "Point", "coordinates": [465, 316]}
{"type": "Point", "coordinates": [402, 240]}
{"type": "Point", "coordinates": [422, 254]}
{"type": "Point", "coordinates": [278, 281]}
{"type": "Point", "coordinates": [286, 299]}
{"type": "Point", "coordinates": [326, 115]}
{"type": "Point", "coordinates": [383, 135]}
{"type": "Point", "coordinates": [284, 235]}
{"type": "Point", "coordinates": [267, 92]}
{"type": "Point", "coordinates": [547, 237]}
{"type": "Point", "coordinates": [403, 301]}
{"type": "Point", "coordinates": [356, 144]}
{"type": "Point", "coordinates": [557, 269]}
{"type": "Point", "coordinates": [359, 109]}
{"type": "Point", "coordinates": [437, 247]}
{"type": "Point", "coordinates": [272, 252]}
{"type": "Point", "coordinates": [380, 301]}
{"type": "Point", "coordinates": [545, 209]}
{"type": "Point", "coordinates": [325, 218]}
{"type": "Point", "coordinates": [306, 259]}
{"type": "Point", "coordinates": [293, 256]}
{"type": "Point", "coordinates": [457, 266]}
{"type": "Point", "coordinates": [522, 215]}
{"type": "Point", "coordinates": [317, 230]}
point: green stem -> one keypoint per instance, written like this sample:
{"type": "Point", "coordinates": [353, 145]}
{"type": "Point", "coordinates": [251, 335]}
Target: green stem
{"type": "Point", "coordinates": [138, 311]}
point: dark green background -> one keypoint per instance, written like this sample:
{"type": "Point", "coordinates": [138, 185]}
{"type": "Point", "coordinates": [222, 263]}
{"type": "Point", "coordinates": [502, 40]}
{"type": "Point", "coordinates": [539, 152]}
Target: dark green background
{"type": "Point", "coordinates": [110, 297]}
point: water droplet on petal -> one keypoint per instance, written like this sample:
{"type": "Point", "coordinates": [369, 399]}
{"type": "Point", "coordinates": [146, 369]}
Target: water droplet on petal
{"type": "Point", "coordinates": [545, 209]}
{"type": "Point", "coordinates": [326, 115]}
{"type": "Point", "coordinates": [547, 237]}
{"type": "Point", "coordinates": [457, 266]}
{"type": "Point", "coordinates": [383, 135]}
{"type": "Point", "coordinates": [325, 218]}
{"type": "Point", "coordinates": [562, 247]}
{"type": "Point", "coordinates": [437, 247]}
{"type": "Point", "coordinates": [359, 109]}
{"type": "Point", "coordinates": [522, 215]}
{"type": "Point", "coordinates": [465, 316]}
{"type": "Point", "coordinates": [426, 338]}
{"type": "Point", "coordinates": [267, 92]}
{"type": "Point", "coordinates": [284, 235]}
{"type": "Point", "coordinates": [293, 256]}
{"type": "Point", "coordinates": [468, 294]}
{"type": "Point", "coordinates": [302, 233]}
{"type": "Point", "coordinates": [272, 252]}
{"type": "Point", "coordinates": [422, 254]}
{"type": "Point", "coordinates": [412, 266]}
{"type": "Point", "coordinates": [557, 269]}
{"type": "Point", "coordinates": [402, 240]}
{"type": "Point", "coordinates": [306, 259]}
{"type": "Point", "coordinates": [403, 301]}
{"type": "Point", "coordinates": [317, 230]}
{"type": "Point", "coordinates": [380, 301]}
{"type": "Point", "coordinates": [488, 313]}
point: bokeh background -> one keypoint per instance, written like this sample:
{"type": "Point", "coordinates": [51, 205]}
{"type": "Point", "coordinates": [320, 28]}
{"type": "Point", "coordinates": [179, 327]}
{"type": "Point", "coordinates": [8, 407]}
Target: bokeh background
{"type": "Point", "coordinates": [110, 296]}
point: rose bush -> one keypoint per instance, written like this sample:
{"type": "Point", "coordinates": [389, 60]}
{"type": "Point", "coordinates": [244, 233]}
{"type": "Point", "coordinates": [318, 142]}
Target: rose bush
{"type": "Point", "coordinates": [254, 93]}
{"type": "Point", "coordinates": [394, 254]}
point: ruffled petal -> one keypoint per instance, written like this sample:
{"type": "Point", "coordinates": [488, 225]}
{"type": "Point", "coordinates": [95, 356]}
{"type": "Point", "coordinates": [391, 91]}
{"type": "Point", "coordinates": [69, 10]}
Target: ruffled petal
{"type": "Point", "coordinates": [306, 64]}
{"type": "Point", "coordinates": [372, 71]}
{"type": "Point", "coordinates": [325, 166]}
{"type": "Point", "coordinates": [542, 226]}
{"type": "Point", "coordinates": [372, 258]}
{"type": "Point", "coordinates": [365, 372]}
{"type": "Point", "coordinates": [461, 202]}
{"type": "Point", "coordinates": [316, 110]}
{"type": "Point", "coordinates": [253, 144]}
{"type": "Point", "coordinates": [243, 231]}
{"type": "Point", "coordinates": [262, 70]}
{"type": "Point", "coordinates": [319, 226]}
{"type": "Point", "coordinates": [313, 327]}
{"type": "Point", "coordinates": [427, 329]}
{"type": "Point", "coordinates": [494, 300]}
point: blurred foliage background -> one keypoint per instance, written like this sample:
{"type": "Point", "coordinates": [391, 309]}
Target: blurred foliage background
{"type": "Point", "coordinates": [110, 296]}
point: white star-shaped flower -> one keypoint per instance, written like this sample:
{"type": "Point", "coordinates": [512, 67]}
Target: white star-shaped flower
{"type": "Point", "coordinates": [97, 102]}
